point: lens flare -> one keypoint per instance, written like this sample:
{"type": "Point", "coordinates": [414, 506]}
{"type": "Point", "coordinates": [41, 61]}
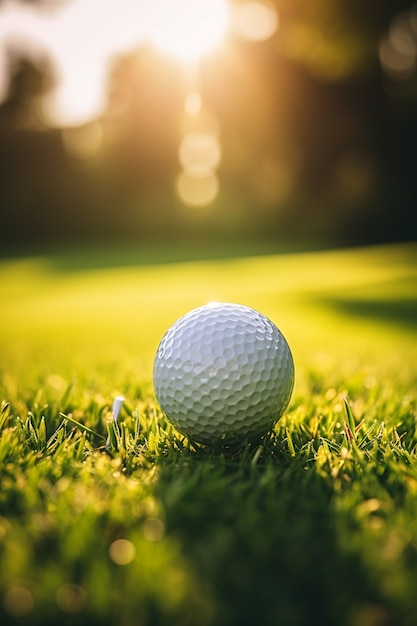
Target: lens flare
{"type": "Point", "coordinates": [256, 21]}
{"type": "Point", "coordinates": [398, 48]}
{"type": "Point", "coordinates": [122, 552]}
{"type": "Point", "coordinates": [199, 153]}
{"type": "Point", "coordinates": [197, 191]}
{"type": "Point", "coordinates": [71, 598]}
{"type": "Point", "coordinates": [18, 601]}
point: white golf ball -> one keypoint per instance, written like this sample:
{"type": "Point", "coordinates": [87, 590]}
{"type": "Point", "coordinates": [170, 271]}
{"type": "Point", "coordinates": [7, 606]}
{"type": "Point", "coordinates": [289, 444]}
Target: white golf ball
{"type": "Point", "coordinates": [223, 372]}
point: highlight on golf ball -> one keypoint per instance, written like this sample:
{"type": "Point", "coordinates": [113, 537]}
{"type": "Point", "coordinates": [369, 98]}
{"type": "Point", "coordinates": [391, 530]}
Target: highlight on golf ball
{"type": "Point", "coordinates": [223, 373]}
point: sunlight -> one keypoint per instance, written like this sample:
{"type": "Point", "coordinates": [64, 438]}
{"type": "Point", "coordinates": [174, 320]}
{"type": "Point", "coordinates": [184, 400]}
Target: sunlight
{"type": "Point", "coordinates": [197, 191]}
{"type": "Point", "coordinates": [81, 38]}
{"type": "Point", "coordinates": [192, 104]}
{"type": "Point", "coordinates": [199, 152]}
{"type": "Point", "coordinates": [189, 29]}
{"type": "Point", "coordinates": [256, 21]}
{"type": "Point", "coordinates": [80, 94]}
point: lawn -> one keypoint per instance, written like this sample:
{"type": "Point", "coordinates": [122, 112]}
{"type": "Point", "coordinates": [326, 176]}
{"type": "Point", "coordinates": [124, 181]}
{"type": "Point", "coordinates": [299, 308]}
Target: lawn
{"type": "Point", "coordinates": [317, 525]}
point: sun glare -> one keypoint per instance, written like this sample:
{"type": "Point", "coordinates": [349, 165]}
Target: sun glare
{"type": "Point", "coordinates": [188, 29]}
{"type": "Point", "coordinates": [256, 21]}
{"type": "Point", "coordinates": [81, 38]}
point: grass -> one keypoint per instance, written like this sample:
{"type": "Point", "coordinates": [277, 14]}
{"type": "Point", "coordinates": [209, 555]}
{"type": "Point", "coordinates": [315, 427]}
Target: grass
{"type": "Point", "coordinates": [315, 525]}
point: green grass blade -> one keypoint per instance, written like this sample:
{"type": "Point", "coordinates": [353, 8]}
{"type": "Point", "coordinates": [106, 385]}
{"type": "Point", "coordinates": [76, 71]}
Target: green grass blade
{"type": "Point", "coordinates": [4, 414]}
{"type": "Point", "coordinates": [350, 423]}
{"type": "Point", "coordinates": [83, 427]}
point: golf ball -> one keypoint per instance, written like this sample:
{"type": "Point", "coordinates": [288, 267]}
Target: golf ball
{"type": "Point", "coordinates": [223, 372]}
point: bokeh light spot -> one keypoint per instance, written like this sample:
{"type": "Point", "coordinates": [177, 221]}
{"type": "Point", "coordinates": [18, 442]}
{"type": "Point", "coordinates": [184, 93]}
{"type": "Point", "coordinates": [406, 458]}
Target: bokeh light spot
{"type": "Point", "coordinates": [203, 121]}
{"type": "Point", "coordinates": [394, 63]}
{"type": "Point", "coordinates": [398, 48]}
{"type": "Point", "coordinates": [403, 35]}
{"type": "Point", "coordinates": [71, 598]}
{"type": "Point", "coordinates": [197, 191]}
{"type": "Point", "coordinates": [256, 21]}
{"type": "Point", "coordinates": [199, 153]}
{"type": "Point", "coordinates": [18, 601]}
{"type": "Point", "coordinates": [153, 529]}
{"type": "Point", "coordinates": [122, 552]}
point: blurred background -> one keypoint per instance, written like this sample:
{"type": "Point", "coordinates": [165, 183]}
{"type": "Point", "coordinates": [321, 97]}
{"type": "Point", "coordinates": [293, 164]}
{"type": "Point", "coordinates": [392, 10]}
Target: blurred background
{"type": "Point", "coordinates": [270, 124]}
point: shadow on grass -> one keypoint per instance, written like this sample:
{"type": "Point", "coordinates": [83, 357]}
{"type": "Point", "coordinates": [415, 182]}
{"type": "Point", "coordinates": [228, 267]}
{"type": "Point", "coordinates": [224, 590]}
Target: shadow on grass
{"type": "Point", "coordinates": [390, 301]}
{"type": "Point", "coordinates": [266, 542]}
{"type": "Point", "coordinates": [131, 254]}
{"type": "Point", "coordinates": [400, 311]}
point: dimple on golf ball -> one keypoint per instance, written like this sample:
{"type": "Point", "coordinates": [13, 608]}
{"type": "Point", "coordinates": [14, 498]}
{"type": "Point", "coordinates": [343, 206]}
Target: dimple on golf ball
{"type": "Point", "coordinates": [223, 372]}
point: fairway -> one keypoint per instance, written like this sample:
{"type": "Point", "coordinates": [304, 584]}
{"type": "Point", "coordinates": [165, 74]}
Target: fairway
{"type": "Point", "coordinates": [346, 304]}
{"type": "Point", "coordinates": [316, 525]}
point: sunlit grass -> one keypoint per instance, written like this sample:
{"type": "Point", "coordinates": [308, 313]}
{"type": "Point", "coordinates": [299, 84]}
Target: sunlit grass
{"type": "Point", "coordinates": [128, 308]}
{"type": "Point", "coordinates": [129, 524]}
